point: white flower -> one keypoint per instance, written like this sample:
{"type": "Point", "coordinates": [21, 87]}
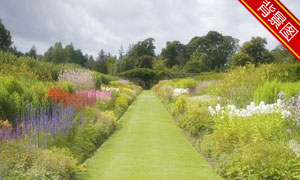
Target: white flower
{"type": "Point", "coordinates": [179, 91]}
{"type": "Point", "coordinates": [109, 89]}
{"type": "Point", "coordinates": [286, 114]}
{"type": "Point", "coordinates": [295, 147]}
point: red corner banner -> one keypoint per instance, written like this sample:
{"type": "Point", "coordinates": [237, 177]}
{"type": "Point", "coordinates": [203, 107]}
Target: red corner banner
{"type": "Point", "coordinates": [279, 21]}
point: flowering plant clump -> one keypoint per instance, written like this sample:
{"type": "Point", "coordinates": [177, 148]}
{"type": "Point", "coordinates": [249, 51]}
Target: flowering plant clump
{"type": "Point", "coordinates": [251, 109]}
{"type": "Point", "coordinates": [293, 108]}
{"type": "Point", "coordinates": [179, 91]}
{"type": "Point", "coordinates": [110, 89]}
{"type": "Point", "coordinates": [79, 99]}
{"type": "Point", "coordinates": [295, 147]}
{"type": "Point", "coordinates": [98, 94]}
{"type": "Point", "coordinates": [82, 80]}
{"type": "Point", "coordinates": [125, 82]}
{"type": "Point", "coordinates": [39, 127]}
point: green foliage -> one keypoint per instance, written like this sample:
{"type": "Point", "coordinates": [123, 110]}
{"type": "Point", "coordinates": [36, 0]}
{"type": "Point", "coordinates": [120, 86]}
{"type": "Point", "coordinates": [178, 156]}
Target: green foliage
{"type": "Point", "coordinates": [58, 54]}
{"type": "Point", "coordinates": [18, 161]}
{"type": "Point", "coordinates": [107, 78]}
{"type": "Point", "coordinates": [241, 59]}
{"type": "Point", "coordinates": [193, 116]}
{"type": "Point", "coordinates": [269, 91]}
{"type": "Point", "coordinates": [213, 49]}
{"type": "Point", "coordinates": [6, 42]}
{"type": "Point", "coordinates": [96, 128]}
{"type": "Point", "coordinates": [121, 104]}
{"type": "Point", "coordinates": [290, 72]}
{"type": "Point", "coordinates": [257, 51]}
{"type": "Point", "coordinates": [116, 83]}
{"type": "Point", "coordinates": [16, 95]}
{"type": "Point", "coordinates": [144, 62]}
{"type": "Point", "coordinates": [282, 55]}
{"type": "Point", "coordinates": [30, 69]}
{"type": "Point", "coordinates": [146, 75]}
{"type": "Point", "coordinates": [181, 83]}
{"type": "Point", "coordinates": [240, 84]}
{"type": "Point", "coordinates": [193, 66]}
{"type": "Point", "coordinates": [253, 147]}
{"type": "Point", "coordinates": [174, 54]}
{"type": "Point", "coordinates": [210, 76]}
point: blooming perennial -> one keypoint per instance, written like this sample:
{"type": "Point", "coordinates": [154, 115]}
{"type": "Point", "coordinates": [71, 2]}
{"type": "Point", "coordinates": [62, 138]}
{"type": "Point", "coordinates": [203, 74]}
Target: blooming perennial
{"type": "Point", "coordinates": [110, 89]}
{"type": "Point", "coordinates": [179, 91]}
{"type": "Point", "coordinates": [99, 95]}
{"type": "Point", "coordinates": [295, 147]}
{"type": "Point", "coordinates": [251, 109]}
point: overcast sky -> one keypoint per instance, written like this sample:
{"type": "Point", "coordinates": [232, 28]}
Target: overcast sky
{"type": "Point", "coordinates": [92, 25]}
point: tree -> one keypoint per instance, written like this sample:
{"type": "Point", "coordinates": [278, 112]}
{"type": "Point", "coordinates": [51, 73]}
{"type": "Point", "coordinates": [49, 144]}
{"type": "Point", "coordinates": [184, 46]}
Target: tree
{"type": "Point", "coordinates": [145, 47]}
{"type": "Point", "coordinates": [58, 54]}
{"type": "Point", "coordinates": [121, 52]}
{"type": "Point", "coordinates": [282, 55]}
{"type": "Point", "coordinates": [255, 48]}
{"type": "Point", "coordinates": [5, 38]}
{"type": "Point", "coordinates": [217, 47]}
{"type": "Point", "coordinates": [144, 62]}
{"type": "Point", "coordinates": [101, 62]}
{"type": "Point", "coordinates": [32, 53]}
{"type": "Point", "coordinates": [194, 66]}
{"type": "Point", "coordinates": [241, 59]}
{"type": "Point", "coordinates": [174, 54]}
{"type": "Point", "coordinates": [110, 64]}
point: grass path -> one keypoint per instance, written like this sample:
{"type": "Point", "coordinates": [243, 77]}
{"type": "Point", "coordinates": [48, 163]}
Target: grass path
{"type": "Point", "coordinates": [148, 146]}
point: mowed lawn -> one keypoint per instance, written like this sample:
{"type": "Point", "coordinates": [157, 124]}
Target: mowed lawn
{"type": "Point", "coordinates": [148, 146]}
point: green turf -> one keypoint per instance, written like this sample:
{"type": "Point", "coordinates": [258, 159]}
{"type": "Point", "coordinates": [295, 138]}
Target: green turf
{"type": "Point", "coordinates": [148, 146]}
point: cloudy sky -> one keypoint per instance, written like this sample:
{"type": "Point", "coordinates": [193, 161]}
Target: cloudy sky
{"type": "Point", "coordinates": [92, 25]}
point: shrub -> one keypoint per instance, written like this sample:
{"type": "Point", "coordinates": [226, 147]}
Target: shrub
{"type": "Point", "coordinates": [185, 83]}
{"type": "Point", "coordinates": [116, 83]}
{"type": "Point", "coordinates": [240, 84]}
{"type": "Point", "coordinates": [250, 143]}
{"type": "Point", "coordinates": [210, 76]}
{"type": "Point", "coordinates": [22, 161]}
{"type": "Point", "coordinates": [269, 91]}
{"type": "Point", "coordinates": [81, 80]}
{"type": "Point", "coordinates": [95, 129]}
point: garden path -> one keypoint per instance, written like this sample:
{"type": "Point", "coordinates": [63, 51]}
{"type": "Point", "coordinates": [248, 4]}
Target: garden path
{"type": "Point", "coordinates": [147, 146]}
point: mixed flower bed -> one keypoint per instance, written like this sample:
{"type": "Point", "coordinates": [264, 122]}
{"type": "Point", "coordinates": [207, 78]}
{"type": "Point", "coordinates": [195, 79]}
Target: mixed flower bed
{"type": "Point", "coordinates": [49, 128]}
{"type": "Point", "coordinates": [229, 121]}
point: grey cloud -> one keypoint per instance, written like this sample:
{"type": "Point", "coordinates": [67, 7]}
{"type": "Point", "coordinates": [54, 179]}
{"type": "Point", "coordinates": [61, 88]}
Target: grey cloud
{"type": "Point", "coordinates": [92, 25]}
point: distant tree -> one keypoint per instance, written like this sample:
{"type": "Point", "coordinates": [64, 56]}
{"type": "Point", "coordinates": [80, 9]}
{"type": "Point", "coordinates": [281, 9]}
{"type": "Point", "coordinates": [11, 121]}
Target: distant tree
{"type": "Point", "coordinates": [241, 59]}
{"type": "Point", "coordinates": [32, 53]}
{"type": "Point", "coordinates": [121, 52]}
{"type": "Point", "coordinates": [256, 49]}
{"type": "Point", "coordinates": [159, 65]}
{"type": "Point", "coordinates": [5, 38]}
{"type": "Point", "coordinates": [142, 48]}
{"type": "Point", "coordinates": [110, 64]}
{"type": "Point", "coordinates": [144, 62]}
{"type": "Point", "coordinates": [58, 54]}
{"type": "Point", "coordinates": [194, 66]}
{"type": "Point", "coordinates": [16, 51]}
{"type": "Point", "coordinates": [282, 55]}
{"type": "Point", "coordinates": [174, 54]}
{"type": "Point", "coordinates": [217, 47]}
{"type": "Point", "coordinates": [101, 65]}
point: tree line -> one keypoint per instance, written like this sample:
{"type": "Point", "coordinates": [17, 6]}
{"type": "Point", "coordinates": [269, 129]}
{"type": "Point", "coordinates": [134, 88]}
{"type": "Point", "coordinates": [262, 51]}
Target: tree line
{"type": "Point", "coordinates": [211, 52]}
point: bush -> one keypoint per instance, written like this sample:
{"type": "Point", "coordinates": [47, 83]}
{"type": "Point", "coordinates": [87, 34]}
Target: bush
{"type": "Point", "coordinates": [240, 84]}
{"type": "Point", "coordinates": [116, 83]}
{"type": "Point", "coordinates": [269, 91]}
{"type": "Point", "coordinates": [21, 161]}
{"type": "Point", "coordinates": [96, 128]}
{"type": "Point", "coordinates": [81, 80]}
{"type": "Point", "coordinates": [210, 76]}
